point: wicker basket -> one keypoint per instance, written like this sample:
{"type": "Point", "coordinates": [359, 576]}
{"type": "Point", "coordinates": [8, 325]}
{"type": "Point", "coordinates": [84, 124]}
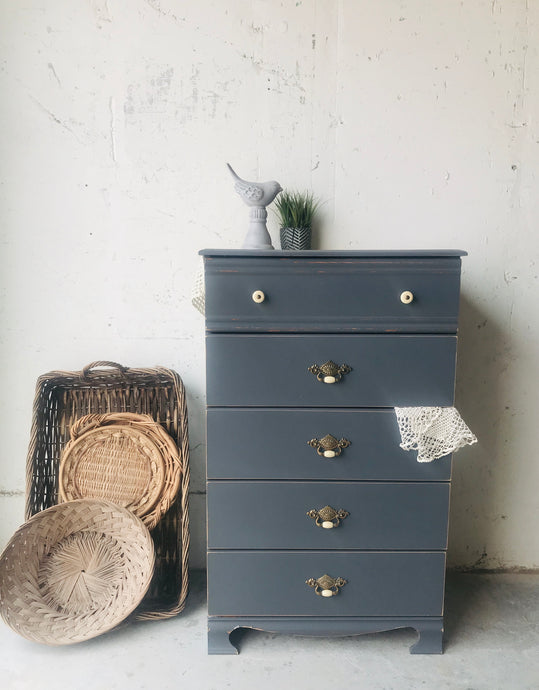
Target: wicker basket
{"type": "Point", "coordinates": [62, 397]}
{"type": "Point", "coordinates": [121, 457]}
{"type": "Point", "coordinates": [74, 571]}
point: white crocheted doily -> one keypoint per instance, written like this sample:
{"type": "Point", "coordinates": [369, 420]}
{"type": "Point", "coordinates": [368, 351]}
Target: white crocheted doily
{"type": "Point", "coordinates": [432, 431]}
{"type": "Point", "coordinates": [198, 294]}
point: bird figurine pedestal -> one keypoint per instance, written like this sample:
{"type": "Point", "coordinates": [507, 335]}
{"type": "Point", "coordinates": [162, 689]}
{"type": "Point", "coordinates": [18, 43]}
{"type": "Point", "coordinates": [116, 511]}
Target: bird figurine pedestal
{"type": "Point", "coordinates": [257, 195]}
{"type": "Point", "coordinates": [257, 236]}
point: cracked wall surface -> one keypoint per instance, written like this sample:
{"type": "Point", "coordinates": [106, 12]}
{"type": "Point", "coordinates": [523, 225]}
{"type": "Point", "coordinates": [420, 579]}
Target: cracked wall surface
{"type": "Point", "coordinates": [415, 123]}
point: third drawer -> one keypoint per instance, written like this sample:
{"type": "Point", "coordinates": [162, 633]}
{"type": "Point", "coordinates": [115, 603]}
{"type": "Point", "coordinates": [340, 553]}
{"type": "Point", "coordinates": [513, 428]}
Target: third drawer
{"type": "Point", "coordinates": [273, 515]}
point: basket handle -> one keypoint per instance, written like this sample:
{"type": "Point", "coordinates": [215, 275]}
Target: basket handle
{"type": "Point", "coordinates": [113, 365]}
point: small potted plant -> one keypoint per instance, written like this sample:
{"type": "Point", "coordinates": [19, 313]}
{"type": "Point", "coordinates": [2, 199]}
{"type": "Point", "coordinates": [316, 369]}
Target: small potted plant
{"type": "Point", "coordinates": [295, 211]}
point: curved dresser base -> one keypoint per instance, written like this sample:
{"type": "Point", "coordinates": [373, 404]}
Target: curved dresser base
{"type": "Point", "coordinates": [430, 629]}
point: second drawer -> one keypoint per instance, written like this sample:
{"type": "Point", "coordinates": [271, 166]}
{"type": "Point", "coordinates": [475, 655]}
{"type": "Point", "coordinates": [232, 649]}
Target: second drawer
{"type": "Point", "coordinates": [381, 370]}
{"type": "Point", "coordinates": [273, 515]}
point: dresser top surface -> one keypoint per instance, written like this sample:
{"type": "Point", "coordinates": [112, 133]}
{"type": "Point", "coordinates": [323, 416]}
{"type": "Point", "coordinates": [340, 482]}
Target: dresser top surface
{"type": "Point", "coordinates": [335, 253]}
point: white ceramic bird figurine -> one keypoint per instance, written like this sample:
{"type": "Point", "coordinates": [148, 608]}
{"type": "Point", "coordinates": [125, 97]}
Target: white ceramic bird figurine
{"type": "Point", "coordinates": [257, 195]}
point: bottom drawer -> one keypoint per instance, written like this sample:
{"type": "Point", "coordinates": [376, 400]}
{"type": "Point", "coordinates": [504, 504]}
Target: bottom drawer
{"type": "Point", "coordinates": [265, 583]}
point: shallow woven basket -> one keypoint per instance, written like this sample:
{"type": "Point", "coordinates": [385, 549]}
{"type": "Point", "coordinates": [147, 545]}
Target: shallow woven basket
{"type": "Point", "coordinates": [62, 397]}
{"type": "Point", "coordinates": [121, 457]}
{"type": "Point", "coordinates": [75, 571]}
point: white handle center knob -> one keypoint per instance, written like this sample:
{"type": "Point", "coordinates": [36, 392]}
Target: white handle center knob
{"type": "Point", "coordinates": [407, 297]}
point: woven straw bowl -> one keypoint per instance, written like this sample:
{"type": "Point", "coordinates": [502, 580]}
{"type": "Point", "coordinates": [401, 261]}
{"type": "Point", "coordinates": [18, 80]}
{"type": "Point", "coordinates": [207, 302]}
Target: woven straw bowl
{"type": "Point", "coordinates": [121, 457]}
{"type": "Point", "coordinates": [74, 571]}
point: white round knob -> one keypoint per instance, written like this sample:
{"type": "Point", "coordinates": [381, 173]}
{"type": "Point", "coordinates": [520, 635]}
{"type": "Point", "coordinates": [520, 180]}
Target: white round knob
{"type": "Point", "coordinates": [258, 296]}
{"type": "Point", "coordinates": [327, 524]}
{"type": "Point", "coordinates": [327, 592]}
{"type": "Point", "coordinates": [407, 297]}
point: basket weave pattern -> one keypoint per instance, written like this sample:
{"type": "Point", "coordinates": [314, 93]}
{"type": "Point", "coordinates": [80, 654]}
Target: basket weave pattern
{"type": "Point", "coordinates": [80, 573]}
{"type": "Point", "coordinates": [62, 397]}
{"type": "Point", "coordinates": [74, 571]}
{"type": "Point", "coordinates": [122, 457]}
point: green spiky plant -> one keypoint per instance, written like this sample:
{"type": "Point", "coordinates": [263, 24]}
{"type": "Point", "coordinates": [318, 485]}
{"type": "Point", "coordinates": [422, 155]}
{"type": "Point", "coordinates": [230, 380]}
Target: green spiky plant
{"type": "Point", "coordinates": [296, 209]}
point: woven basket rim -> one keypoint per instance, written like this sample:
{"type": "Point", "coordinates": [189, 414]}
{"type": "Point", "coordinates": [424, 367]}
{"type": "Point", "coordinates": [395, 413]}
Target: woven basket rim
{"type": "Point", "coordinates": [84, 451]}
{"type": "Point", "coordinates": [23, 602]}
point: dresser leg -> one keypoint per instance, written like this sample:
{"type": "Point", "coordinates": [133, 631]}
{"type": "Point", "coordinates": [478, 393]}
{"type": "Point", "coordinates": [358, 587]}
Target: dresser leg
{"type": "Point", "coordinates": [219, 638]}
{"type": "Point", "coordinates": [430, 638]}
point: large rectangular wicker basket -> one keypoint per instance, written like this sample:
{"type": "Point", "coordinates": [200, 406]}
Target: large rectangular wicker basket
{"type": "Point", "coordinates": [64, 396]}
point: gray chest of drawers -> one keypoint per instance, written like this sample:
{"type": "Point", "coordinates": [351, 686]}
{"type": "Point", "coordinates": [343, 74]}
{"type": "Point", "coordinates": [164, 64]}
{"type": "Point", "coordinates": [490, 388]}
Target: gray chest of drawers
{"type": "Point", "coordinates": [318, 522]}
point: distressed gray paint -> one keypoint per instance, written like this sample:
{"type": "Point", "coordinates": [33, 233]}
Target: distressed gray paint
{"type": "Point", "coordinates": [273, 515]}
{"type": "Point", "coordinates": [308, 254]}
{"type": "Point", "coordinates": [429, 641]}
{"type": "Point", "coordinates": [300, 294]}
{"type": "Point", "coordinates": [387, 370]}
{"type": "Point", "coordinates": [258, 583]}
{"type": "Point", "coordinates": [263, 407]}
{"type": "Point", "coordinates": [248, 443]}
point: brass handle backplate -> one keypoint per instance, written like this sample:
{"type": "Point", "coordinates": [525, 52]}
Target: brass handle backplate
{"type": "Point", "coordinates": [329, 372]}
{"type": "Point", "coordinates": [326, 586]}
{"type": "Point", "coordinates": [327, 517]}
{"type": "Point", "coordinates": [329, 446]}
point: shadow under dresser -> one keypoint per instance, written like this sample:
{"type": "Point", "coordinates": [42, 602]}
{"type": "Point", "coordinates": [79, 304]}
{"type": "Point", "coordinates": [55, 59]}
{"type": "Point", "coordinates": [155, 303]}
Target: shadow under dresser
{"type": "Point", "coordinates": [318, 522]}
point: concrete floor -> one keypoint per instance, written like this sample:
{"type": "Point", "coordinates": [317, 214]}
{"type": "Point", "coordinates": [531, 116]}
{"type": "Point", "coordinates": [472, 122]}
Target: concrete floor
{"type": "Point", "coordinates": [491, 643]}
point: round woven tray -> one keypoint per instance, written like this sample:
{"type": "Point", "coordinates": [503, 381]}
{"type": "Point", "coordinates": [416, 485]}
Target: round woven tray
{"type": "Point", "coordinates": [121, 457]}
{"type": "Point", "coordinates": [74, 571]}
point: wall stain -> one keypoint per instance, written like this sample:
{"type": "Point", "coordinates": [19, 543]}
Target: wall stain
{"type": "Point", "coordinates": [54, 118]}
{"type": "Point", "coordinates": [150, 96]}
{"type": "Point", "coordinates": [101, 11]}
{"type": "Point", "coordinates": [156, 6]}
{"type": "Point", "coordinates": [51, 67]}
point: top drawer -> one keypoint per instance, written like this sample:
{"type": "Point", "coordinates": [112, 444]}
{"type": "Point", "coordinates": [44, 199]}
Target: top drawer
{"type": "Point", "coordinates": [317, 292]}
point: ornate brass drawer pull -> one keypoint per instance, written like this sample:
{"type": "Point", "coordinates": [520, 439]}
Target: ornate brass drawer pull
{"type": "Point", "coordinates": [329, 372]}
{"type": "Point", "coordinates": [328, 446]}
{"type": "Point", "coordinates": [327, 517]}
{"type": "Point", "coordinates": [326, 586]}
